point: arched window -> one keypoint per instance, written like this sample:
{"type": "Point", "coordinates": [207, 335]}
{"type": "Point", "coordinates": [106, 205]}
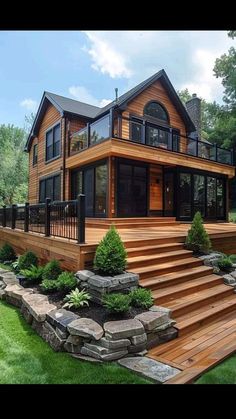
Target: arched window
{"type": "Point", "coordinates": [155, 110]}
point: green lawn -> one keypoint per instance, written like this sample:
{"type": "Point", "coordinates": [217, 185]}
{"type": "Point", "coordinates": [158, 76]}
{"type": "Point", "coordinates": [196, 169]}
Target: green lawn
{"type": "Point", "coordinates": [224, 373]}
{"type": "Point", "coordinates": [26, 359]}
{"type": "Point", "coordinates": [6, 267]}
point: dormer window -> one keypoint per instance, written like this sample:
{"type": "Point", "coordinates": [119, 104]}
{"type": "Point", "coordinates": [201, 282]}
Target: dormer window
{"type": "Point", "coordinates": [155, 110]}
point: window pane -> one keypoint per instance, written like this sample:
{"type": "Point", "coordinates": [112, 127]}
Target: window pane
{"type": "Point", "coordinates": [199, 194]}
{"type": "Point", "coordinates": [152, 136]}
{"type": "Point", "coordinates": [35, 154]}
{"type": "Point", "coordinates": [185, 195]}
{"type": "Point", "coordinates": [156, 111]}
{"type": "Point", "coordinates": [137, 132]}
{"type": "Point", "coordinates": [176, 140]}
{"type": "Point", "coordinates": [79, 141]}
{"type": "Point", "coordinates": [56, 149]}
{"type": "Point", "coordinates": [89, 192]}
{"type": "Point", "coordinates": [49, 138]}
{"type": "Point", "coordinates": [163, 139]}
{"type": "Point", "coordinates": [99, 130]}
{"type": "Point", "coordinates": [42, 191]}
{"type": "Point", "coordinates": [211, 197]}
{"type": "Point", "coordinates": [49, 188]}
{"type": "Point", "coordinates": [101, 191]}
{"type": "Point", "coordinates": [57, 188]}
{"type": "Point", "coordinates": [220, 198]}
{"type": "Point", "coordinates": [56, 141]}
{"type": "Point", "coordinates": [49, 145]}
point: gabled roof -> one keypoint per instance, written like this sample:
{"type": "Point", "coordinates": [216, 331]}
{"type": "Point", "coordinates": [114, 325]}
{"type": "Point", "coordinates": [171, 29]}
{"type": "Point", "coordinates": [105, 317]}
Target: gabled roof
{"type": "Point", "coordinates": [90, 112]}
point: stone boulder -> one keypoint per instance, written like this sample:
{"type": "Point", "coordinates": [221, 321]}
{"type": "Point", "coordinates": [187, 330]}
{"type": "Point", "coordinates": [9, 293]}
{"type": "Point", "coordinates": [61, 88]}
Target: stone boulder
{"type": "Point", "coordinates": [60, 318]}
{"type": "Point", "coordinates": [121, 329]}
{"type": "Point", "coordinates": [152, 319]}
{"type": "Point", "coordinates": [38, 305]}
{"type": "Point", "coordinates": [87, 328]}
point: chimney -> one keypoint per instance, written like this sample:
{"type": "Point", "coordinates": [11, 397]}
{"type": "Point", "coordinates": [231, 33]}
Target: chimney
{"type": "Point", "coordinates": [193, 107]}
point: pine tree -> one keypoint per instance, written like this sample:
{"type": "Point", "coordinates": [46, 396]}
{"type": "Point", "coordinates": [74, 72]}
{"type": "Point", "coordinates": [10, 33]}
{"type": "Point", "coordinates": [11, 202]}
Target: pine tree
{"type": "Point", "coordinates": [110, 257]}
{"type": "Point", "coordinates": [197, 238]}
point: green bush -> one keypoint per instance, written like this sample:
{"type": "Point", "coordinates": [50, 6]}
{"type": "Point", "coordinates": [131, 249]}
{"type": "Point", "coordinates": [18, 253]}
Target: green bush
{"type": "Point", "coordinates": [232, 258]}
{"type": "Point", "coordinates": [48, 286]}
{"type": "Point", "coordinates": [33, 274]}
{"type": "Point", "coordinates": [7, 253]}
{"type": "Point", "coordinates": [117, 303]}
{"type": "Point", "coordinates": [15, 265]}
{"type": "Point", "coordinates": [27, 260]}
{"type": "Point", "coordinates": [77, 299]}
{"type": "Point", "coordinates": [110, 257]}
{"type": "Point", "coordinates": [225, 264]}
{"type": "Point", "coordinates": [52, 270]}
{"type": "Point", "coordinates": [66, 281]}
{"type": "Point", "coordinates": [141, 297]}
{"type": "Point", "coordinates": [197, 238]}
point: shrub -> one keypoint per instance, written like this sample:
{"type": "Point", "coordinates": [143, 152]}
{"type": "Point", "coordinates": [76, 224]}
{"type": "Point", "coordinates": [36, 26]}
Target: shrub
{"type": "Point", "coordinates": [48, 286]}
{"type": "Point", "coordinates": [117, 303]}
{"type": "Point", "coordinates": [225, 264]}
{"type": "Point", "coordinates": [15, 265]}
{"type": "Point", "coordinates": [141, 297]}
{"type": "Point", "coordinates": [27, 260]}
{"type": "Point", "coordinates": [197, 238]}
{"type": "Point", "coordinates": [232, 258]}
{"type": "Point", "coordinates": [52, 270]}
{"type": "Point", "coordinates": [7, 253]}
{"type": "Point", "coordinates": [110, 257]}
{"type": "Point", "coordinates": [66, 281]}
{"type": "Point", "coordinates": [33, 274]}
{"type": "Point", "coordinates": [77, 299]}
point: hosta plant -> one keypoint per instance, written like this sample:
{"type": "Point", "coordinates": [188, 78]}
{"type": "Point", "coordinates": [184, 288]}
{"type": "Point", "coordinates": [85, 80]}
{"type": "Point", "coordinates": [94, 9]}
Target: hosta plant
{"type": "Point", "coordinates": [77, 299]}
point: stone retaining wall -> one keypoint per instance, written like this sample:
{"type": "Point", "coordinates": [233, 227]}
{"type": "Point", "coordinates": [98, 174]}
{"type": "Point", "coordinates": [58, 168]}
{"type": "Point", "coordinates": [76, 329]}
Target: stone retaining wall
{"type": "Point", "coordinates": [66, 331]}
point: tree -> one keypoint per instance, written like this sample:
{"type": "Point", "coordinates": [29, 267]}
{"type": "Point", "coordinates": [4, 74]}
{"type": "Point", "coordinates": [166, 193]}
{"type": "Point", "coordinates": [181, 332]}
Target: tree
{"type": "Point", "coordinates": [13, 165]}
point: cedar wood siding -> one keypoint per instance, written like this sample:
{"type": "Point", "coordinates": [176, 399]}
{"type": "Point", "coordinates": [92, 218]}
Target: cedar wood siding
{"type": "Point", "coordinates": [50, 118]}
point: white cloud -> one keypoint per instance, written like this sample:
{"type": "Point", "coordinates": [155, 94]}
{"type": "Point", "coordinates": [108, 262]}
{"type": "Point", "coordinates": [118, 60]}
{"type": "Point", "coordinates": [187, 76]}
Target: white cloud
{"type": "Point", "coordinates": [187, 56]}
{"type": "Point", "coordinates": [83, 95]}
{"type": "Point", "coordinates": [29, 104]}
{"type": "Point", "coordinates": [106, 58]}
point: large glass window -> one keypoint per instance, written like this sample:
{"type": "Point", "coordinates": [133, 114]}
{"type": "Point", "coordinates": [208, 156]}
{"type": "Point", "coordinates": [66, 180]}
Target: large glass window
{"type": "Point", "coordinates": [185, 195]}
{"type": "Point", "coordinates": [158, 137]}
{"type": "Point", "coordinates": [53, 140]}
{"type": "Point", "coordinates": [220, 198]}
{"type": "Point", "coordinates": [199, 194]}
{"type": "Point", "coordinates": [35, 154]}
{"type": "Point", "coordinates": [79, 141]}
{"type": "Point", "coordinates": [137, 131]}
{"type": "Point", "coordinates": [50, 188]}
{"type": "Point", "coordinates": [100, 130]}
{"type": "Point", "coordinates": [155, 110]}
{"type": "Point", "coordinates": [101, 190]}
{"type": "Point", "coordinates": [211, 197]}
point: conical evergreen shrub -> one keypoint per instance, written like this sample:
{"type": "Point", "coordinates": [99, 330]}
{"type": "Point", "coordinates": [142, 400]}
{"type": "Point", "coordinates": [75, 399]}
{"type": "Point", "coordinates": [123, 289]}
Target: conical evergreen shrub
{"type": "Point", "coordinates": [197, 238]}
{"type": "Point", "coordinates": [110, 257]}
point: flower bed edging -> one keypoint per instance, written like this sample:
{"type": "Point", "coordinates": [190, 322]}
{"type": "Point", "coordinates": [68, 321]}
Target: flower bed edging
{"type": "Point", "coordinates": [66, 331]}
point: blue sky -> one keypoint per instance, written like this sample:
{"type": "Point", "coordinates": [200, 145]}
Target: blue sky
{"type": "Point", "coordinates": [87, 66]}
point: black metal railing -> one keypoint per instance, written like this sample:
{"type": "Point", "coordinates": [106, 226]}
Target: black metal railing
{"type": "Point", "coordinates": [60, 218]}
{"type": "Point", "coordinates": [138, 130]}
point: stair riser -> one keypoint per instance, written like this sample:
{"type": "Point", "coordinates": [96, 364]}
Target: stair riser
{"type": "Point", "coordinates": [133, 225]}
{"type": "Point", "coordinates": [169, 269]}
{"type": "Point", "coordinates": [165, 299]}
{"type": "Point", "coordinates": [206, 320]}
{"type": "Point", "coordinates": [177, 281]}
{"type": "Point", "coordinates": [152, 242]}
{"type": "Point", "coordinates": [156, 261]}
{"type": "Point", "coordinates": [170, 248]}
{"type": "Point", "coordinates": [190, 307]}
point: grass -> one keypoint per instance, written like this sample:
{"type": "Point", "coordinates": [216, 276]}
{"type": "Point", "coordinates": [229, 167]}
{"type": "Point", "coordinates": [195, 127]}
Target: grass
{"type": "Point", "coordinates": [6, 267]}
{"type": "Point", "coordinates": [224, 373]}
{"type": "Point", "coordinates": [26, 359]}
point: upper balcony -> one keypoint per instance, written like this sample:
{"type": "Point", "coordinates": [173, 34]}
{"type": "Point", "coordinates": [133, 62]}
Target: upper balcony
{"type": "Point", "coordinates": [148, 136]}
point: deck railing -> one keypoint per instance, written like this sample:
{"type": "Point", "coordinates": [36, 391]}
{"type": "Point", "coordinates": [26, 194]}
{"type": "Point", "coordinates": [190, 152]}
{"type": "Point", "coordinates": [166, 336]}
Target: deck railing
{"type": "Point", "coordinates": [64, 219]}
{"type": "Point", "coordinates": [141, 131]}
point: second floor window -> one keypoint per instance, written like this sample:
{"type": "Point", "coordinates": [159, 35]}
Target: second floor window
{"type": "Point", "coordinates": [53, 143]}
{"type": "Point", "coordinates": [35, 154]}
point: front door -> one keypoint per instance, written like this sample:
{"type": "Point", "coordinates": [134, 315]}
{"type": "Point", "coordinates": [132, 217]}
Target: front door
{"type": "Point", "coordinates": [131, 189]}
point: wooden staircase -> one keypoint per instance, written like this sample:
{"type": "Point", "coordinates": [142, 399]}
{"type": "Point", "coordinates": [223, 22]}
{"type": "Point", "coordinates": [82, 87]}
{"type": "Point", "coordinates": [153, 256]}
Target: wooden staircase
{"type": "Point", "coordinates": [124, 223]}
{"type": "Point", "coordinates": [197, 297]}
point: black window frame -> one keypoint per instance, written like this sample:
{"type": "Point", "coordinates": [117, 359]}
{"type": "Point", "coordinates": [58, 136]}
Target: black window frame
{"type": "Point", "coordinates": [165, 121]}
{"type": "Point", "coordinates": [35, 154]}
{"type": "Point", "coordinates": [49, 131]}
{"type": "Point", "coordinates": [42, 186]}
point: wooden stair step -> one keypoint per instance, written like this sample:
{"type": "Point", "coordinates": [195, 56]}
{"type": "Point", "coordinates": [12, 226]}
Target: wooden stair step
{"type": "Point", "coordinates": [147, 260]}
{"type": "Point", "coordinates": [176, 265]}
{"type": "Point", "coordinates": [207, 314]}
{"type": "Point", "coordinates": [152, 249]}
{"type": "Point", "coordinates": [167, 294]}
{"type": "Point", "coordinates": [175, 278]}
{"type": "Point", "coordinates": [189, 302]}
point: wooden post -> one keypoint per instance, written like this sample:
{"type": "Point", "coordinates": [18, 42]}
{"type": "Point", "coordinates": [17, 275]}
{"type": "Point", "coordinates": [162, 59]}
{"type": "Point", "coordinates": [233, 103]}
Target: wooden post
{"type": "Point", "coordinates": [216, 152]}
{"type": "Point", "coordinates": [4, 216]}
{"type": "Point", "coordinates": [81, 218]}
{"type": "Point", "coordinates": [13, 216]}
{"type": "Point", "coordinates": [47, 217]}
{"type": "Point", "coordinates": [26, 226]}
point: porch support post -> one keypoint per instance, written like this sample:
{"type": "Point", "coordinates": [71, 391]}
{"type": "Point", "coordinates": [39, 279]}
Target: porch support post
{"type": "Point", "coordinates": [81, 218]}
{"type": "Point", "coordinates": [4, 216]}
{"type": "Point", "coordinates": [26, 225]}
{"type": "Point", "coordinates": [111, 133]}
{"type": "Point", "coordinates": [13, 216]}
{"type": "Point", "coordinates": [47, 217]}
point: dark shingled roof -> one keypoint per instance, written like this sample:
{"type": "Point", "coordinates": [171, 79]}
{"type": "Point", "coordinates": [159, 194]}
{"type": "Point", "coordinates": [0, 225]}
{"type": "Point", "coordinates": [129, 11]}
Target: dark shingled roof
{"type": "Point", "coordinates": [90, 112]}
{"type": "Point", "coordinates": [73, 106]}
